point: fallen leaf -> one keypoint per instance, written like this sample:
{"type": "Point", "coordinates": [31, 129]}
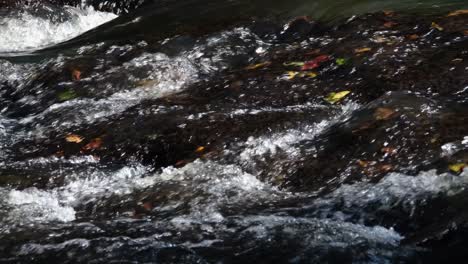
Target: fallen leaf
{"type": "Point", "coordinates": [341, 61]}
{"type": "Point", "coordinates": [333, 98]}
{"type": "Point", "coordinates": [73, 138]}
{"type": "Point", "coordinates": [385, 168]}
{"type": "Point", "coordinates": [258, 65]}
{"type": "Point", "coordinates": [294, 63]}
{"type": "Point", "coordinates": [389, 24]}
{"type": "Point", "coordinates": [458, 167]}
{"type": "Point", "coordinates": [93, 144]}
{"type": "Point", "coordinates": [66, 95]}
{"type": "Point", "coordinates": [310, 74]}
{"type": "Point", "coordinates": [436, 26]}
{"type": "Point", "coordinates": [388, 13]}
{"type": "Point", "coordinates": [458, 12]}
{"type": "Point", "coordinates": [363, 163]}
{"type": "Point", "coordinates": [315, 63]}
{"type": "Point", "coordinates": [76, 75]}
{"type": "Point", "coordinates": [200, 149]}
{"type": "Point", "coordinates": [148, 206]}
{"type": "Point", "coordinates": [383, 113]}
{"type": "Point", "coordinates": [465, 32]}
{"type": "Point", "coordinates": [362, 50]}
{"type": "Point", "coordinates": [413, 37]}
{"type": "Point", "coordinates": [291, 75]}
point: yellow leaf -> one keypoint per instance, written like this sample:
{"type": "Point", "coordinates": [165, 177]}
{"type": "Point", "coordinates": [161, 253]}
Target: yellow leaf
{"type": "Point", "coordinates": [310, 74]}
{"type": "Point", "coordinates": [333, 98]}
{"type": "Point", "coordinates": [291, 74]}
{"type": "Point", "coordinates": [258, 65]}
{"type": "Point", "coordinates": [458, 167]}
{"type": "Point", "coordinates": [459, 12]}
{"type": "Point", "coordinates": [436, 26]}
{"type": "Point", "coordinates": [294, 63]}
{"type": "Point", "coordinates": [362, 50]}
{"type": "Point", "coordinates": [74, 138]}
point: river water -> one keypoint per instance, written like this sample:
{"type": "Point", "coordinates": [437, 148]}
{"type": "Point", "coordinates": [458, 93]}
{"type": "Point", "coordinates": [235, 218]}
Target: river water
{"type": "Point", "coordinates": [200, 131]}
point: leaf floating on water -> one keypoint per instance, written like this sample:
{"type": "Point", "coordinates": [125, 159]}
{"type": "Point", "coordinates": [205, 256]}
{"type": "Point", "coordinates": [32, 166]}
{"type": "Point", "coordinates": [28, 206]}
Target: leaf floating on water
{"type": "Point", "coordinates": [436, 26]}
{"type": "Point", "coordinates": [258, 65]}
{"type": "Point", "coordinates": [389, 24]}
{"type": "Point", "coordinates": [333, 98]}
{"type": "Point", "coordinates": [310, 74]}
{"type": "Point", "coordinates": [385, 167]}
{"type": "Point", "coordinates": [315, 63]}
{"type": "Point", "coordinates": [200, 149]}
{"type": "Point", "coordinates": [293, 74]}
{"type": "Point", "coordinates": [341, 61]}
{"type": "Point", "coordinates": [458, 12]}
{"type": "Point", "coordinates": [363, 163]}
{"type": "Point", "coordinates": [458, 167]}
{"type": "Point", "coordinates": [413, 37]}
{"type": "Point", "coordinates": [294, 63]}
{"type": "Point", "coordinates": [362, 50]}
{"type": "Point", "coordinates": [66, 95]}
{"type": "Point", "coordinates": [383, 113]}
{"type": "Point", "coordinates": [93, 144]}
{"type": "Point", "coordinates": [73, 138]}
{"type": "Point", "coordinates": [76, 75]}
{"type": "Point", "coordinates": [389, 13]}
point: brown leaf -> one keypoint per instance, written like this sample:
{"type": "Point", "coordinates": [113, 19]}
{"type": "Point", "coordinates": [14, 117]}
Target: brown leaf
{"type": "Point", "coordinates": [383, 113]}
{"type": "Point", "coordinates": [385, 168]}
{"type": "Point", "coordinates": [363, 163]}
{"type": "Point", "coordinates": [72, 138]}
{"type": "Point", "coordinates": [93, 144]}
{"type": "Point", "coordinates": [389, 13]}
{"type": "Point", "coordinates": [389, 24]}
{"type": "Point", "coordinates": [458, 12]}
{"type": "Point", "coordinates": [413, 37]}
{"type": "Point", "coordinates": [76, 75]}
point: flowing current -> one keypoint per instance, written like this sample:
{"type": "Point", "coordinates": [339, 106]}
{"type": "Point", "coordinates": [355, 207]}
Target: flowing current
{"type": "Point", "coordinates": [205, 131]}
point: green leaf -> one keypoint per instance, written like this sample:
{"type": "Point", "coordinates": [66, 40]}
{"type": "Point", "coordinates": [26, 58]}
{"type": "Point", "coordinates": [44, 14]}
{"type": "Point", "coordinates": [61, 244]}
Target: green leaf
{"type": "Point", "coordinates": [67, 95]}
{"type": "Point", "coordinates": [341, 61]}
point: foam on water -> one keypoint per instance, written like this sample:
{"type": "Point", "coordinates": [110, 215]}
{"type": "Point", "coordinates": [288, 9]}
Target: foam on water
{"type": "Point", "coordinates": [28, 32]}
{"type": "Point", "coordinates": [395, 189]}
{"type": "Point", "coordinates": [285, 141]}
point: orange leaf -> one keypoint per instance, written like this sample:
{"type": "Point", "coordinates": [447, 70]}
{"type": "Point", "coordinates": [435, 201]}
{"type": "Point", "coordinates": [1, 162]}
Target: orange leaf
{"type": "Point", "coordinates": [74, 138]}
{"type": "Point", "coordinates": [362, 50]}
{"type": "Point", "coordinates": [200, 149]}
{"type": "Point", "coordinates": [93, 144]}
{"type": "Point", "coordinates": [76, 75]}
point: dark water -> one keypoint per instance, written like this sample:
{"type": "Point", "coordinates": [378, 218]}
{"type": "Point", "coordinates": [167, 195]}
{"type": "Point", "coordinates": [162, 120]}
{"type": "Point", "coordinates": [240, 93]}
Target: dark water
{"type": "Point", "coordinates": [200, 131]}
